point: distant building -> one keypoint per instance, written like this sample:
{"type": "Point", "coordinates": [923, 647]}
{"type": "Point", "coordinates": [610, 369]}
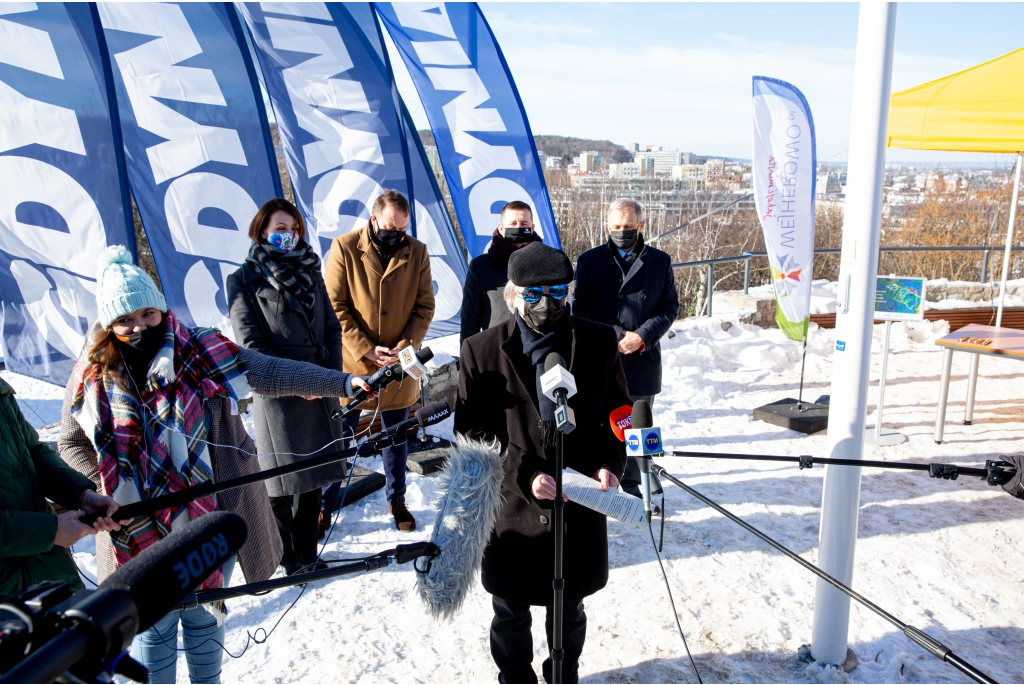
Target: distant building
{"type": "Point", "coordinates": [541, 157]}
{"type": "Point", "coordinates": [624, 170]}
{"type": "Point", "coordinates": [695, 171]}
{"type": "Point", "coordinates": [553, 163]}
{"type": "Point", "coordinates": [827, 186]}
{"type": "Point", "coordinates": [645, 164]}
{"type": "Point", "coordinates": [662, 161]}
{"type": "Point", "coordinates": [588, 161]}
{"type": "Point", "coordinates": [573, 168]}
{"type": "Point", "coordinates": [714, 169]}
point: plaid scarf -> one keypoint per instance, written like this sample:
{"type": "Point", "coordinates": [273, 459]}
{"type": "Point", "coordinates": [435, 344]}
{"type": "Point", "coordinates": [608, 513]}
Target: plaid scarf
{"type": "Point", "coordinates": [291, 272]}
{"type": "Point", "coordinates": [157, 445]}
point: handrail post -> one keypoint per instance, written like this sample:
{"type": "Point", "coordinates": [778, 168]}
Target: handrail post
{"type": "Point", "coordinates": [711, 285]}
{"type": "Point", "coordinates": [746, 274]}
{"type": "Point", "coordinates": [984, 267]}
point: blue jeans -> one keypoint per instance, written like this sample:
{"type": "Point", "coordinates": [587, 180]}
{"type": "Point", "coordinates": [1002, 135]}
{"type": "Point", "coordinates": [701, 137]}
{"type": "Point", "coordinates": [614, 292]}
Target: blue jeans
{"type": "Point", "coordinates": [394, 459]}
{"type": "Point", "coordinates": [156, 648]}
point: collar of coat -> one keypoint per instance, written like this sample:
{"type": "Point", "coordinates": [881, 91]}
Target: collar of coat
{"type": "Point", "coordinates": [267, 291]}
{"type": "Point", "coordinates": [372, 259]}
{"type": "Point", "coordinates": [512, 348]}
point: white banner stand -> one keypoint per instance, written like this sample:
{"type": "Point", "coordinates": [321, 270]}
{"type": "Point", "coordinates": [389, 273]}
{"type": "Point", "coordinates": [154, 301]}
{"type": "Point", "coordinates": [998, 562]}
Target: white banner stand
{"type": "Point", "coordinates": [896, 299]}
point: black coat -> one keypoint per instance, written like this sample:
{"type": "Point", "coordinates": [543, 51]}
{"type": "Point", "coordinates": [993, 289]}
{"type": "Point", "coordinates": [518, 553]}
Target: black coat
{"type": "Point", "coordinates": [640, 297]}
{"type": "Point", "coordinates": [483, 299]}
{"type": "Point", "coordinates": [275, 324]}
{"type": "Point", "coordinates": [497, 399]}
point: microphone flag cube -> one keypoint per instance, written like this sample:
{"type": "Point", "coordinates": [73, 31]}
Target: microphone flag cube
{"type": "Point", "coordinates": [557, 378]}
{"type": "Point", "coordinates": [643, 442]}
{"type": "Point", "coordinates": [411, 364]}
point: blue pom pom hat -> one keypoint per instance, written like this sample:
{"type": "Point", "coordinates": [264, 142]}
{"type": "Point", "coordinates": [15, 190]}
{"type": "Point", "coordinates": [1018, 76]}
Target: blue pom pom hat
{"type": "Point", "coordinates": [122, 287]}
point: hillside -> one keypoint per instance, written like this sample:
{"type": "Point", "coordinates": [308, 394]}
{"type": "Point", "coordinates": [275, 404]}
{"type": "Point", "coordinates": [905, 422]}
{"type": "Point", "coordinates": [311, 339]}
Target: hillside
{"type": "Point", "coordinates": [566, 147]}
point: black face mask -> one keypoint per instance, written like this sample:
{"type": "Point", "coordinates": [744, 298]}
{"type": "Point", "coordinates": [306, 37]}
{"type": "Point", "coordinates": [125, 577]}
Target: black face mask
{"type": "Point", "coordinates": [143, 344]}
{"type": "Point", "coordinates": [625, 238]}
{"type": "Point", "coordinates": [518, 234]}
{"type": "Point", "coordinates": [389, 239]}
{"type": "Point", "coordinates": [546, 314]}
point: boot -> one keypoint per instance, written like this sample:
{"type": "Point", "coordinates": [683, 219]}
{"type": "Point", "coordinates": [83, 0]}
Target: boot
{"type": "Point", "coordinates": [404, 520]}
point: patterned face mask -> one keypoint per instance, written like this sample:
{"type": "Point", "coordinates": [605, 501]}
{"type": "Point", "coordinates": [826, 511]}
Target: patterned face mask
{"type": "Point", "coordinates": [285, 242]}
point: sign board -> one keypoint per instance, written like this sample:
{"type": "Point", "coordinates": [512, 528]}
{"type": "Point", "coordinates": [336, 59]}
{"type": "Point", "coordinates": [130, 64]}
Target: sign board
{"type": "Point", "coordinates": [899, 298]}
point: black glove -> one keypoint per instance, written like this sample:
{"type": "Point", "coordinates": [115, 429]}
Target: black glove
{"type": "Point", "coordinates": [1015, 486]}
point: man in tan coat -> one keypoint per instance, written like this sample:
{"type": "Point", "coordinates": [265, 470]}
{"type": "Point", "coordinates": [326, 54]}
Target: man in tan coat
{"type": "Point", "coordinates": [378, 279]}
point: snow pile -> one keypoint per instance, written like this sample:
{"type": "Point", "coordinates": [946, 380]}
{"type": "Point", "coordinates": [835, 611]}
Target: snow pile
{"type": "Point", "coordinates": [942, 556]}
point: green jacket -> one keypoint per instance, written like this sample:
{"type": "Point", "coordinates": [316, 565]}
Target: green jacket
{"type": "Point", "coordinates": [30, 472]}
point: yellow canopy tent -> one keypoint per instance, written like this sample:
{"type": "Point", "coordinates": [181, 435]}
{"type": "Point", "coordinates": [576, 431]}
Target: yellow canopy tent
{"type": "Point", "coordinates": [980, 109]}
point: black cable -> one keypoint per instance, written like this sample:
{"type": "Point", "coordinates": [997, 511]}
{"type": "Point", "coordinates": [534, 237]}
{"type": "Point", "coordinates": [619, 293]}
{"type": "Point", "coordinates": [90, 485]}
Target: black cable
{"type": "Point", "coordinates": [675, 614]}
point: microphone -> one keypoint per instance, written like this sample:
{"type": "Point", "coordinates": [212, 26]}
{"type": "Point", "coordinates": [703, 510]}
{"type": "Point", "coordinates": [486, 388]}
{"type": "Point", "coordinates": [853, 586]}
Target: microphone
{"type": "Point", "coordinates": [410, 362]}
{"type": "Point", "coordinates": [99, 625]}
{"type": "Point", "coordinates": [642, 442]}
{"type": "Point", "coordinates": [164, 574]}
{"type": "Point", "coordinates": [435, 412]}
{"type": "Point", "coordinates": [621, 420]}
{"type": "Point", "coordinates": [559, 385]}
{"type": "Point", "coordinates": [470, 486]}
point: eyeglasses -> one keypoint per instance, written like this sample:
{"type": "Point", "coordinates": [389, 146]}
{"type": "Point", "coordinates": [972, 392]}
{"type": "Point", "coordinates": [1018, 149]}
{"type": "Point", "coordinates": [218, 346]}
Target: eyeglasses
{"type": "Point", "coordinates": [533, 294]}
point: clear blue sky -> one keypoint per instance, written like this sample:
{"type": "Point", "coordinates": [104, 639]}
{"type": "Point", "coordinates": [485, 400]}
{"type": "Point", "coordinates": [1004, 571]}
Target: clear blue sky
{"type": "Point", "coordinates": [678, 74]}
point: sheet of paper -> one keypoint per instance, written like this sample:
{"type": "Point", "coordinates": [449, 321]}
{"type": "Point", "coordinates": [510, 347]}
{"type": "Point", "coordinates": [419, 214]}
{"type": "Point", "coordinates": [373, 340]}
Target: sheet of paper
{"type": "Point", "coordinates": [614, 504]}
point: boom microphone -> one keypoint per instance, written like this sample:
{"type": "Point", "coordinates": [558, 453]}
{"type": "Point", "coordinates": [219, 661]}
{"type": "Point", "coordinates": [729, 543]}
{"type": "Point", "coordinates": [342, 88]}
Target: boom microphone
{"type": "Point", "coordinates": [466, 511]}
{"type": "Point", "coordinates": [410, 362]}
{"type": "Point", "coordinates": [435, 412]}
{"type": "Point", "coordinates": [164, 574]}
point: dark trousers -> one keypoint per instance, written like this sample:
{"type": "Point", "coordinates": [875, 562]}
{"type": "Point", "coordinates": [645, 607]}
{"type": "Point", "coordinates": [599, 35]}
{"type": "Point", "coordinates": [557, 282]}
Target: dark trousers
{"type": "Point", "coordinates": [512, 641]}
{"type": "Point", "coordinates": [394, 459]}
{"type": "Point", "coordinates": [299, 529]}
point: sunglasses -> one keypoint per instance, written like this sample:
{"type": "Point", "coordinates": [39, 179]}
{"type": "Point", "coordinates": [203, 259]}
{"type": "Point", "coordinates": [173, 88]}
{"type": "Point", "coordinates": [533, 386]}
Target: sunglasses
{"type": "Point", "coordinates": [533, 294]}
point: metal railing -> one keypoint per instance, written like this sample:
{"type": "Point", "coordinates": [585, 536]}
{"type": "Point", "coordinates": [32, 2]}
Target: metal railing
{"type": "Point", "coordinates": [747, 256]}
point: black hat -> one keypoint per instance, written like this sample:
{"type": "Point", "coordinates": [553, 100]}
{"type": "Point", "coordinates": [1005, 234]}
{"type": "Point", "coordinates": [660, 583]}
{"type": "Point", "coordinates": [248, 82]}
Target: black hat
{"type": "Point", "coordinates": [538, 264]}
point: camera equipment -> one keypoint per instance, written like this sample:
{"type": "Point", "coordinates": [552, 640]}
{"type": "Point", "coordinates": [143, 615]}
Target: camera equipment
{"type": "Point", "coordinates": [930, 644]}
{"type": "Point", "coordinates": [402, 554]}
{"type": "Point", "coordinates": [425, 416]}
{"type": "Point", "coordinates": [559, 385]}
{"type": "Point", "coordinates": [47, 630]}
{"type": "Point", "coordinates": [410, 363]}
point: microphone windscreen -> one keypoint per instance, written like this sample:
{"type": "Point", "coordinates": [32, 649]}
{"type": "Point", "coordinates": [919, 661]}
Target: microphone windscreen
{"type": "Point", "coordinates": [552, 360]}
{"type": "Point", "coordinates": [620, 421]}
{"type": "Point", "coordinates": [435, 412]}
{"type": "Point", "coordinates": [425, 355]}
{"type": "Point", "coordinates": [470, 484]}
{"type": "Point", "coordinates": [164, 574]}
{"type": "Point", "coordinates": [642, 415]}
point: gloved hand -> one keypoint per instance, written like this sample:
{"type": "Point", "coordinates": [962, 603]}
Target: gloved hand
{"type": "Point", "coordinates": [1015, 486]}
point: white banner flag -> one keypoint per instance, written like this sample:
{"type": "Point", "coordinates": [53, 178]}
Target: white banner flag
{"type": "Point", "coordinates": [784, 167]}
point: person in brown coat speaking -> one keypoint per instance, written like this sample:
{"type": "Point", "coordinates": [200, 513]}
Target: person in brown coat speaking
{"type": "Point", "coordinates": [378, 279]}
{"type": "Point", "coordinates": [498, 399]}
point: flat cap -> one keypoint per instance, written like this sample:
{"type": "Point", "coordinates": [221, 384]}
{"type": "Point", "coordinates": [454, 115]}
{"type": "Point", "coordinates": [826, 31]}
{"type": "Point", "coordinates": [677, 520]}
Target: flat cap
{"type": "Point", "coordinates": [538, 264]}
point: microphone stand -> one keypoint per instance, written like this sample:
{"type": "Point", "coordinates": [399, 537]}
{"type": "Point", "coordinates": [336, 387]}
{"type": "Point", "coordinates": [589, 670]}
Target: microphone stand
{"type": "Point", "coordinates": [557, 520]}
{"type": "Point", "coordinates": [996, 472]}
{"type": "Point", "coordinates": [927, 642]}
{"type": "Point", "coordinates": [402, 554]}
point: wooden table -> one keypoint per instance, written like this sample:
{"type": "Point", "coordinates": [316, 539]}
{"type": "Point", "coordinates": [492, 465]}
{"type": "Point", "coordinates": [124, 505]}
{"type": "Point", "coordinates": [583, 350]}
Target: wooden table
{"type": "Point", "coordinates": [977, 340]}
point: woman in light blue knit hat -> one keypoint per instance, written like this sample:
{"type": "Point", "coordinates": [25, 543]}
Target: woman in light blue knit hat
{"type": "Point", "coordinates": [151, 408]}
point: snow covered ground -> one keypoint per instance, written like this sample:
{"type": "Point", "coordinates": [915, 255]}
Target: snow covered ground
{"type": "Point", "coordinates": [943, 556]}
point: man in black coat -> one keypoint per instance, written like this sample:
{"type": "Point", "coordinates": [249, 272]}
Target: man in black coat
{"type": "Point", "coordinates": [498, 399]}
{"type": "Point", "coordinates": [630, 286]}
{"type": "Point", "coordinates": [483, 298]}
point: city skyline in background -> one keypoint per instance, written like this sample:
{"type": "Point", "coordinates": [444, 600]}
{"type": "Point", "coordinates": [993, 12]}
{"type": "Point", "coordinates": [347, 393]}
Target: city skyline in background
{"type": "Point", "coordinates": [678, 75]}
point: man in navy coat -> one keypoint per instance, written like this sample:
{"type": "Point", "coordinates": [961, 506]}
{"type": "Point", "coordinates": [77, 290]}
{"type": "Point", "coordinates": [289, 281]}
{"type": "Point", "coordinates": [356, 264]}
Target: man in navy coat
{"type": "Point", "coordinates": [629, 286]}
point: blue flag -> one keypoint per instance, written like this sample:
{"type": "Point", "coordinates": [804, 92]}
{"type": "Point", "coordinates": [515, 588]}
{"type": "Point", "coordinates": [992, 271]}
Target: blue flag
{"type": "Point", "coordinates": [344, 138]}
{"type": "Point", "coordinates": [200, 159]}
{"type": "Point", "coordinates": [62, 194]}
{"type": "Point", "coordinates": [482, 134]}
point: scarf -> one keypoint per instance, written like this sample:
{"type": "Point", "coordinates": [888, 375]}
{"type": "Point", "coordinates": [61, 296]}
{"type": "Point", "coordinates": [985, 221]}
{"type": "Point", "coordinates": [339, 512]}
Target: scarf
{"type": "Point", "coordinates": [385, 251]}
{"type": "Point", "coordinates": [502, 248]}
{"type": "Point", "coordinates": [537, 346]}
{"type": "Point", "coordinates": [288, 272]}
{"type": "Point", "coordinates": [138, 456]}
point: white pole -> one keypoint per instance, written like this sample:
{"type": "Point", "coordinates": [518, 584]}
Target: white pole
{"type": "Point", "coordinates": [881, 382]}
{"type": "Point", "coordinates": [858, 271]}
{"type": "Point", "coordinates": [1009, 239]}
